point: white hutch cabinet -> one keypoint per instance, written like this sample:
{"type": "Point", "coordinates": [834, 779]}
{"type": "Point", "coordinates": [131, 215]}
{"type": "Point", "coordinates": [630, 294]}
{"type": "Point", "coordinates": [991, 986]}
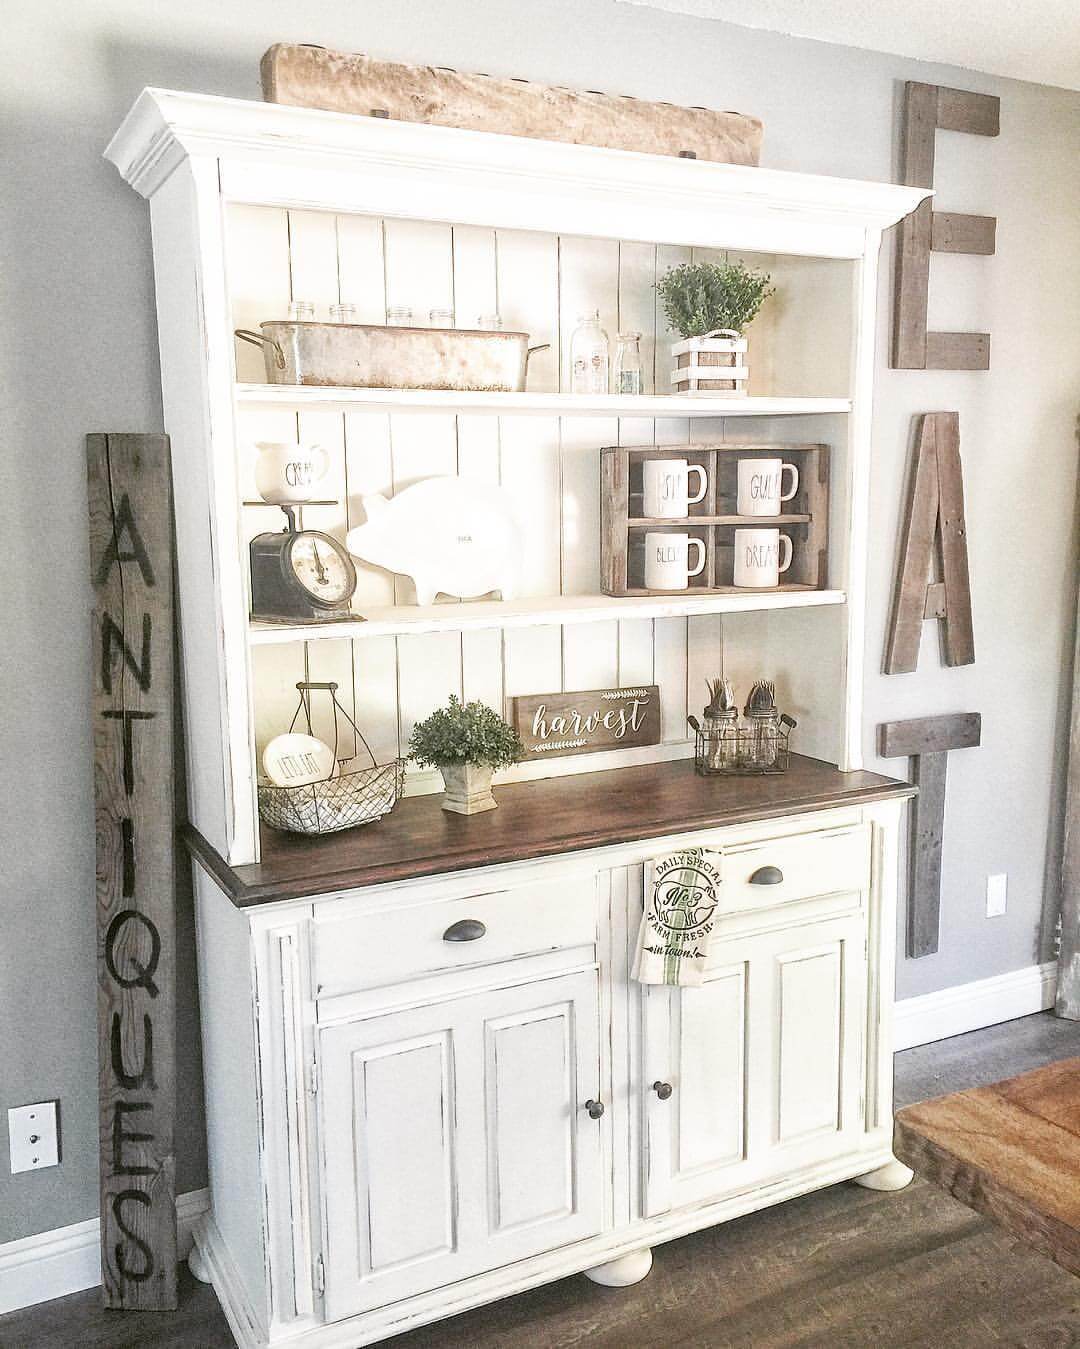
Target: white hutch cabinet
{"type": "Point", "coordinates": [403, 1124]}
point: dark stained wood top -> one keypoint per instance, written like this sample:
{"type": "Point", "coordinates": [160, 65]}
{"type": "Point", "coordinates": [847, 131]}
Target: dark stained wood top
{"type": "Point", "coordinates": [534, 819]}
{"type": "Point", "coordinates": [1011, 1150]}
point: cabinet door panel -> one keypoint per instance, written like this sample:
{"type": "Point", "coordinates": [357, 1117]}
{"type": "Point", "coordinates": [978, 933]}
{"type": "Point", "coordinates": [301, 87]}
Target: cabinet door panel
{"type": "Point", "coordinates": [810, 1015]}
{"type": "Point", "coordinates": [711, 1064]}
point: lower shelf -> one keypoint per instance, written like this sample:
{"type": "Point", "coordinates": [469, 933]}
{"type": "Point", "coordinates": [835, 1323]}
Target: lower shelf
{"type": "Point", "coordinates": [469, 615]}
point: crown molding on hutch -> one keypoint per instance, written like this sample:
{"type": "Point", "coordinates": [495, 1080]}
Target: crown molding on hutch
{"type": "Point", "coordinates": [268, 152]}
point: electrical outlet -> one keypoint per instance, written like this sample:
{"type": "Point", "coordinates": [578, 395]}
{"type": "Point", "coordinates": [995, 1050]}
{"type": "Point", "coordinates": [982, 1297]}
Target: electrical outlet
{"type": "Point", "coordinates": [997, 891]}
{"type": "Point", "coordinates": [34, 1136]}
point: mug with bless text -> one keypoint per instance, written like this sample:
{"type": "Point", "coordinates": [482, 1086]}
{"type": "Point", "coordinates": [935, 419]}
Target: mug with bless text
{"type": "Point", "coordinates": [667, 561]}
{"type": "Point", "coordinates": [758, 561]}
{"type": "Point", "coordinates": [666, 485]}
{"type": "Point", "coordinates": [761, 486]}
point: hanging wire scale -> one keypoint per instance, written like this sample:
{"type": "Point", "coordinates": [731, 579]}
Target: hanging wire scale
{"type": "Point", "coordinates": [348, 797]}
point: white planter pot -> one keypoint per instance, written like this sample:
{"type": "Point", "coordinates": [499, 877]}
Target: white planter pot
{"type": "Point", "coordinates": [468, 788]}
{"type": "Point", "coordinates": [714, 363]}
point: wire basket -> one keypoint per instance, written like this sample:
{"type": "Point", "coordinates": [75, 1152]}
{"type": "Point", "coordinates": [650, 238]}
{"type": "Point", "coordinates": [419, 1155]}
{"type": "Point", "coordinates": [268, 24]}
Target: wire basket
{"type": "Point", "coordinates": [342, 801]}
{"type": "Point", "coordinates": [746, 750]}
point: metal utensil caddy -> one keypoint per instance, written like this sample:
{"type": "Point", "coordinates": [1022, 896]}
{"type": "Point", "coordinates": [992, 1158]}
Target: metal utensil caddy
{"type": "Point", "coordinates": [353, 797]}
{"type": "Point", "coordinates": [738, 749]}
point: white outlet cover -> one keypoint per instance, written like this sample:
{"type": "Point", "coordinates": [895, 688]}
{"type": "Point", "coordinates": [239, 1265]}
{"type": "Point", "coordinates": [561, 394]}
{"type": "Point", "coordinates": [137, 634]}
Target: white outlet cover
{"type": "Point", "coordinates": [997, 895]}
{"type": "Point", "coordinates": [32, 1136]}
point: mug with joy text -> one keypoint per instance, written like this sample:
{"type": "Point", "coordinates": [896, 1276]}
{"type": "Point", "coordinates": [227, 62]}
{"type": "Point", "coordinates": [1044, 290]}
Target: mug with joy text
{"type": "Point", "coordinates": [666, 485]}
{"type": "Point", "coordinates": [758, 560]}
{"type": "Point", "coordinates": [761, 483]}
{"type": "Point", "coordinates": [667, 561]}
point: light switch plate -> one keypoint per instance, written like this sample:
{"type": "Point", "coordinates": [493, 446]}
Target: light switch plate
{"type": "Point", "coordinates": [33, 1136]}
{"type": "Point", "coordinates": [997, 895]}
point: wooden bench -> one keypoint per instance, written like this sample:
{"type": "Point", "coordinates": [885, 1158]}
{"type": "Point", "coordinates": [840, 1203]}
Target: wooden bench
{"type": "Point", "coordinates": [1011, 1151]}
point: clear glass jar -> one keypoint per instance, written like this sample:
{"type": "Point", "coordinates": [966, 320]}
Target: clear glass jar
{"type": "Point", "coordinates": [589, 358]}
{"type": "Point", "coordinates": [441, 318]}
{"type": "Point", "coordinates": [490, 323]}
{"type": "Point", "coordinates": [399, 316]}
{"type": "Point", "coordinates": [628, 377]}
{"type": "Point", "coordinates": [343, 313]}
{"type": "Point", "coordinates": [301, 311]}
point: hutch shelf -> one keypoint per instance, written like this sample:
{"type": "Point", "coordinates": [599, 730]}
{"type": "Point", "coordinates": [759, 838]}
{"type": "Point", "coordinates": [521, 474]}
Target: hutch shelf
{"type": "Point", "coordinates": [401, 1126]}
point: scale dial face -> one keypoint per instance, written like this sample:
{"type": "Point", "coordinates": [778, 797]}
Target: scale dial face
{"type": "Point", "coordinates": [321, 567]}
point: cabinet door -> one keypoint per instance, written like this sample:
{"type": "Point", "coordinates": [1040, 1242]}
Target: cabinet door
{"type": "Point", "coordinates": [455, 1138]}
{"type": "Point", "coordinates": [765, 1061]}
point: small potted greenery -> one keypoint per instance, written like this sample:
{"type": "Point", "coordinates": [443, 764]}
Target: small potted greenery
{"type": "Point", "coordinates": [466, 743]}
{"type": "Point", "coordinates": [710, 304]}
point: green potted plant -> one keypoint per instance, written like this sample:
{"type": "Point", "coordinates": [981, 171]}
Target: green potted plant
{"type": "Point", "coordinates": [466, 743]}
{"type": "Point", "coordinates": [710, 304]}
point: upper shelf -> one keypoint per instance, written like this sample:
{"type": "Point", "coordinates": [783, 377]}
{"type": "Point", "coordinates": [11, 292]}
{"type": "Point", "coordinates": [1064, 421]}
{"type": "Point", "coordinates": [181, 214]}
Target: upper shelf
{"type": "Point", "coordinates": [535, 404]}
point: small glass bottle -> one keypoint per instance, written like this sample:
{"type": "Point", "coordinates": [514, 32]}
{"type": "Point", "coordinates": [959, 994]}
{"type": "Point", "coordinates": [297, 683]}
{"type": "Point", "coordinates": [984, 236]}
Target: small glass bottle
{"type": "Point", "coordinates": [628, 377]}
{"type": "Point", "coordinates": [589, 356]}
{"type": "Point", "coordinates": [490, 323]}
{"type": "Point", "coordinates": [301, 311]}
{"type": "Point", "coordinates": [441, 318]}
{"type": "Point", "coordinates": [399, 316]}
{"type": "Point", "coordinates": [343, 313]}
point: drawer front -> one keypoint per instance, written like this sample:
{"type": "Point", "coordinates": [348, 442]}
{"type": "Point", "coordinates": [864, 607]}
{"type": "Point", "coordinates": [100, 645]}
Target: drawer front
{"type": "Point", "coordinates": [783, 870]}
{"type": "Point", "coordinates": [405, 940]}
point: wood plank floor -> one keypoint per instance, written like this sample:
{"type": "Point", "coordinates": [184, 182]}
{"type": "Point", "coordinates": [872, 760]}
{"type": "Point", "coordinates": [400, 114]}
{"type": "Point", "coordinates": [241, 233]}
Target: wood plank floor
{"type": "Point", "coordinates": [844, 1268]}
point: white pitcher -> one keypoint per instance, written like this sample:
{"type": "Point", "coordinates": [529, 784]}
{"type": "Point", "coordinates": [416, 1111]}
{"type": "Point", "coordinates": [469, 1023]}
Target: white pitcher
{"type": "Point", "coordinates": [289, 474]}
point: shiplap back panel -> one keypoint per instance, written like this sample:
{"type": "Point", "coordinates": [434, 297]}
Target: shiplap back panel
{"type": "Point", "coordinates": [538, 283]}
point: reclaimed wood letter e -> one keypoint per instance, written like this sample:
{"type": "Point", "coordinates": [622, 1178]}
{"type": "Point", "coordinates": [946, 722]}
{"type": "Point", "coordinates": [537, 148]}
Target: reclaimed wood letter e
{"type": "Point", "coordinates": [131, 561]}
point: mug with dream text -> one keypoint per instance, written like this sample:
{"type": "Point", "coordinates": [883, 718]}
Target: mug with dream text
{"type": "Point", "coordinates": [760, 557]}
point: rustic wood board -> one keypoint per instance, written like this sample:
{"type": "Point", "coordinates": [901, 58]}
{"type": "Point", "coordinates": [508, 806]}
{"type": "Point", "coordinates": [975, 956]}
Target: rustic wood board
{"type": "Point", "coordinates": [1011, 1150]}
{"type": "Point", "coordinates": [535, 819]}
{"type": "Point", "coordinates": [929, 108]}
{"type": "Point", "coordinates": [927, 740]}
{"type": "Point", "coordinates": [314, 77]}
{"type": "Point", "coordinates": [131, 568]}
{"type": "Point", "coordinates": [553, 724]}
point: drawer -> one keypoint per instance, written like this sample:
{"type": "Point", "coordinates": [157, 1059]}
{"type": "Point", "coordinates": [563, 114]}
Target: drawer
{"type": "Point", "coordinates": [801, 866]}
{"type": "Point", "coordinates": [407, 939]}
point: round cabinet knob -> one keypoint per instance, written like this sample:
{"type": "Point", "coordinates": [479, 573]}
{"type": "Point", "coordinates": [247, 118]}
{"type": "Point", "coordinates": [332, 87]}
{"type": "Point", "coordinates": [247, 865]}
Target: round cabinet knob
{"type": "Point", "coordinates": [595, 1109]}
{"type": "Point", "coordinates": [662, 1089]}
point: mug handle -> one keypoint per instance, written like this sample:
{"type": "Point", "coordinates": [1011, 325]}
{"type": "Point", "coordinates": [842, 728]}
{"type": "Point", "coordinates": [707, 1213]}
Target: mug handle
{"type": "Point", "coordinates": [696, 543]}
{"type": "Point", "coordinates": [323, 457]}
{"type": "Point", "coordinates": [786, 496]}
{"type": "Point", "coordinates": [785, 539]}
{"type": "Point", "coordinates": [692, 501]}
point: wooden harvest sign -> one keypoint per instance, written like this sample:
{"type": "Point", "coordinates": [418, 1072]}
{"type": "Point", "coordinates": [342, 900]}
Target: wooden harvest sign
{"type": "Point", "coordinates": [131, 569]}
{"type": "Point", "coordinates": [553, 724]}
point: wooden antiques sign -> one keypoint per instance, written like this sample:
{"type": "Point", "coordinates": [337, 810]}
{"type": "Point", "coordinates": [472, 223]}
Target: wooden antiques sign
{"type": "Point", "coordinates": [927, 740]}
{"type": "Point", "coordinates": [935, 516]}
{"type": "Point", "coordinates": [929, 108]}
{"type": "Point", "coordinates": [131, 567]}
{"type": "Point", "coordinates": [552, 724]}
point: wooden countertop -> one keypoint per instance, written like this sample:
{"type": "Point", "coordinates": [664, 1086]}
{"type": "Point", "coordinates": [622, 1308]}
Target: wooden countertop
{"type": "Point", "coordinates": [534, 819]}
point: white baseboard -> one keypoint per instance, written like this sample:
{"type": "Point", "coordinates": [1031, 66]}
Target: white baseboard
{"type": "Point", "coordinates": [967, 1007]}
{"type": "Point", "coordinates": [68, 1259]}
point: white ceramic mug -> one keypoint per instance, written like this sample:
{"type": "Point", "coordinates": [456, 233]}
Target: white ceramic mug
{"type": "Point", "coordinates": [758, 561]}
{"type": "Point", "coordinates": [667, 561]}
{"type": "Point", "coordinates": [289, 474]}
{"type": "Point", "coordinates": [667, 488]}
{"type": "Point", "coordinates": [761, 483]}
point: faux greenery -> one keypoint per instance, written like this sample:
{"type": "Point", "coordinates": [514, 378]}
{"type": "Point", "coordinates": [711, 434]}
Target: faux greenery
{"type": "Point", "coordinates": [457, 734]}
{"type": "Point", "coordinates": [701, 296]}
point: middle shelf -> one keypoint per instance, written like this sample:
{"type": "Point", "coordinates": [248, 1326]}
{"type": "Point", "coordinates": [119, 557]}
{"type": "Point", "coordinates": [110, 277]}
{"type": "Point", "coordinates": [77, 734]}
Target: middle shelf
{"type": "Point", "coordinates": [470, 615]}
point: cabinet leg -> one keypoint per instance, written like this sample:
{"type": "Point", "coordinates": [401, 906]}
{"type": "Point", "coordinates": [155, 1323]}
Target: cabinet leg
{"type": "Point", "coordinates": [893, 1175]}
{"type": "Point", "coordinates": [197, 1265]}
{"type": "Point", "coordinates": [621, 1273]}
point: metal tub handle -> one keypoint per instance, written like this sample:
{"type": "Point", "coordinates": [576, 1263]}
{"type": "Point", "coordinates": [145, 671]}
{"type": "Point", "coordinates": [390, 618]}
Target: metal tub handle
{"type": "Point", "coordinates": [544, 346]}
{"type": "Point", "coordinates": [261, 340]}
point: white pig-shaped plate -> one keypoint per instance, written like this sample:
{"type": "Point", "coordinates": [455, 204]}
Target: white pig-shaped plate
{"type": "Point", "coordinates": [453, 536]}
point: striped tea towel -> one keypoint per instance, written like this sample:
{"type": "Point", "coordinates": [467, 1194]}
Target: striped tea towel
{"type": "Point", "coordinates": [681, 895]}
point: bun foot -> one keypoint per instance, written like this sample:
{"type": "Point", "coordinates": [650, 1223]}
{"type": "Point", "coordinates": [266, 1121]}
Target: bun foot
{"type": "Point", "coordinates": [621, 1273]}
{"type": "Point", "coordinates": [197, 1265]}
{"type": "Point", "coordinates": [893, 1175]}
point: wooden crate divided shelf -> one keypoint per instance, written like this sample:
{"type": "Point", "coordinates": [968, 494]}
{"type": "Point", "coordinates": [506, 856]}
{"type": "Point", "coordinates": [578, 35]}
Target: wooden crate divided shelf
{"type": "Point", "coordinates": [714, 518]}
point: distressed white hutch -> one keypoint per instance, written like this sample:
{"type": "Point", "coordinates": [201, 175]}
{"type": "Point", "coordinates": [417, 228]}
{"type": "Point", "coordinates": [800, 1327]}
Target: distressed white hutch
{"type": "Point", "coordinates": [401, 1127]}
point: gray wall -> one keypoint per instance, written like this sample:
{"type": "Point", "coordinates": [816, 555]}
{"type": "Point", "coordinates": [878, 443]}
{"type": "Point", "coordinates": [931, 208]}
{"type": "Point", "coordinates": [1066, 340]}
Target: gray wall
{"type": "Point", "coordinates": [79, 354]}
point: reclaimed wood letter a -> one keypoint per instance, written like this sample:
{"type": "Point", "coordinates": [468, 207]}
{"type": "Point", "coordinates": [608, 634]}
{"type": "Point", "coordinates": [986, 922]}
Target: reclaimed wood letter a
{"type": "Point", "coordinates": [935, 513]}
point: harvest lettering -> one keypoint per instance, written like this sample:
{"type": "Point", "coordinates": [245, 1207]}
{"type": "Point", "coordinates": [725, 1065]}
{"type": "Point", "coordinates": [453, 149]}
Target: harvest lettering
{"type": "Point", "coordinates": [617, 720]}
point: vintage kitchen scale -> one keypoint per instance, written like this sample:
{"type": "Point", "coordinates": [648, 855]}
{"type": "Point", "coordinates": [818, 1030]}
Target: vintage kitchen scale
{"type": "Point", "coordinates": [300, 575]}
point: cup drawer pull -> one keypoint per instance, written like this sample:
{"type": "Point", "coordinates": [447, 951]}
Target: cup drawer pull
{"type": "Point", "coordinates": [465, 929]}
{"type": "Point", "coordinates": [767, 876]}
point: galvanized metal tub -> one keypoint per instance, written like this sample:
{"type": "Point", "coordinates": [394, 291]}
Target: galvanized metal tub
{"type": "Point", "coordinates": [368, 356]}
